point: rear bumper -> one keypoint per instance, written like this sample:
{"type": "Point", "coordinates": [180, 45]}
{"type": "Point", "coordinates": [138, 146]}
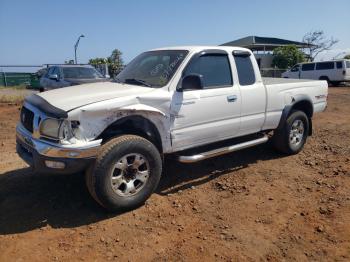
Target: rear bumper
{"type": "Point", "coordinates": [37, 153]}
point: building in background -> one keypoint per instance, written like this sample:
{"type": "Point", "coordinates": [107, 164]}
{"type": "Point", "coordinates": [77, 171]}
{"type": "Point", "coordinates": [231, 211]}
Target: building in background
{"type": "Point", "coordinates": [263, 47]}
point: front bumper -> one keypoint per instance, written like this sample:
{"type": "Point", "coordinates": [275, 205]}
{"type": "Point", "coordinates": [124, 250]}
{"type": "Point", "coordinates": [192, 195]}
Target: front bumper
{"type": "Point", "coordinates": [37, 152]}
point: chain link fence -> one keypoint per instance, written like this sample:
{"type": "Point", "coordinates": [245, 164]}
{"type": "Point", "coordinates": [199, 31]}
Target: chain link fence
{"type": "Point", "coordinates": [9, 77]}
{"type": "Point", "coordinates": [272, 72]}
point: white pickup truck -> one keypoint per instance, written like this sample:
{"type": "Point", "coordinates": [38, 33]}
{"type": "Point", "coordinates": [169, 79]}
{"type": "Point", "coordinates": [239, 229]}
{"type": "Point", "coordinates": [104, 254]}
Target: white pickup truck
{"type": "Point", "coordinates": [193, 102]}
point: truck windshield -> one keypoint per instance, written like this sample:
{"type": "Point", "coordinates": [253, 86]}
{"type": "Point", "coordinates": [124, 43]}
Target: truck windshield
{"type": "Point", "coordinates": [81, 73]}
{"type": "Point", "coordinates": [153, 68]}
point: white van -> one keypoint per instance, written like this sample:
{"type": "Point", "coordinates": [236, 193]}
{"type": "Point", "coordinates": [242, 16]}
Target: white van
{"type": "Point", "coordinates": [335, 71]}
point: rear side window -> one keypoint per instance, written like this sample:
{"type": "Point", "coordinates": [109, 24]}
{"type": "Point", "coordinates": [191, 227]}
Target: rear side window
{"type": "Point", "coordinates": [347, 64]}
{"type": "Point", "coordinates": [215, 69]}
{"type": "Point", "coordinates": [245, 70]}
{"type": "Point", "coordinates": [308, 67]}
{"type": "Point", "coordinates": [339, 65]}
{"type": "Point", "coordinates": [325, 66]}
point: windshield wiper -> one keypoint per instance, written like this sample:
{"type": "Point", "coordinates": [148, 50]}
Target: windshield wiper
{"type": "Point", "coordinates": [137, 81]}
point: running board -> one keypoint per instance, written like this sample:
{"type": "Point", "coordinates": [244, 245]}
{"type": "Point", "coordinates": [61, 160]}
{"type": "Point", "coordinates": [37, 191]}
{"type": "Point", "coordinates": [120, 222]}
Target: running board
{"type": "Point", "coordinates": [222, 151]}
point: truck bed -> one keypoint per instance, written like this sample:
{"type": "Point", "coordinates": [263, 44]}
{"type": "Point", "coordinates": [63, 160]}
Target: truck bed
{"type": "Point", "coordinates": [277, 81]}
{"type": "Point", "coordinates": [282, 91]}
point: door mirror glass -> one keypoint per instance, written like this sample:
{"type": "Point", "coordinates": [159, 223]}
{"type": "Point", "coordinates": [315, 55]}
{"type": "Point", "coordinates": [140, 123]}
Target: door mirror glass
{"type": "Point", "coordinates": [192, 82]}
{"type": "Point", "coordinates": [53, 77]}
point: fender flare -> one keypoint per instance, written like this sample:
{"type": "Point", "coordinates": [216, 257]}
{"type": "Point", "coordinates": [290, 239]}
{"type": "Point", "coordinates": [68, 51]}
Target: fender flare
{"type": "Point", "coordinates": [138, 116]}
{"type": "Point", "coordinates": [288, 108]}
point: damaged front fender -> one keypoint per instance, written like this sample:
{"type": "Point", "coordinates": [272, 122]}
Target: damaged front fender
{"type": "Point", "coordinates": [96, 118]}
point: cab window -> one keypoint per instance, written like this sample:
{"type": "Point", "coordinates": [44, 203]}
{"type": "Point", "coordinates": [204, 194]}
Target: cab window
{"type": "Point", "coordinates": [245, 70]}
{"type": "Point", "coordinates": [215, 69]}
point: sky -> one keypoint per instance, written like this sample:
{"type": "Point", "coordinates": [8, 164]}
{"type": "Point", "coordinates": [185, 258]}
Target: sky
{"type": "Point", "coordinates": [39, 32]}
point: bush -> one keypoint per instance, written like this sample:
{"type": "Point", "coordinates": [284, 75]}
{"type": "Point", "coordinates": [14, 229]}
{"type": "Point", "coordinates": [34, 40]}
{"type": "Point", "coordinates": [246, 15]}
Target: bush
{"type": "Point", "coordinates": [287, 56]}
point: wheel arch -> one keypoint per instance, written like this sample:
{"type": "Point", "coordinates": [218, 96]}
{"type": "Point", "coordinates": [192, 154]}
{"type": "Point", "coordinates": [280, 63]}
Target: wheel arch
{"type": "Point", "coordinates": [133, 125]}
{"type": "Point", "coordinates": [301, 103]}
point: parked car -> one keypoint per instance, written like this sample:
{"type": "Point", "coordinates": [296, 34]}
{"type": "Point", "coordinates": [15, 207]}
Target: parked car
{"type": "Point", "coordinates": [334, 72]}
{"type": "Point", "coordinates": [58, 76]}
{"type": "Point", "coordinates": [191, 102]}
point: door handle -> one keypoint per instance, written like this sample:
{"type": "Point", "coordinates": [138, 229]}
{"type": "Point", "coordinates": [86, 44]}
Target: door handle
{"type": "Point", "coordinates": [231, 98]}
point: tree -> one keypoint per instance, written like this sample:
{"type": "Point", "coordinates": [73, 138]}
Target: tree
{"type": "Point", "coordinates": [114, 62]}
{"type": "Point", "coordinates": [318, 42]}
{"type": "Point", "coordinates": [347, 57]}
{"type": "Point", "coordinates": [98, 61]}
{"type": "Point", "coordinates": [71, 61]}
{"type": "Point", "coordinates": [287, 56]}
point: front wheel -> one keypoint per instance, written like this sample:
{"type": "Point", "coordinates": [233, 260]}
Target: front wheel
{"type": "Point", "coordinates": [290, 139]}
{"type": "Point", "coordinates": [127, 171]}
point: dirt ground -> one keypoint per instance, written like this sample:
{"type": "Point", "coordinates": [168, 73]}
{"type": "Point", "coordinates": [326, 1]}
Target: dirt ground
{"type": "Point", "coordinates": [250, 205]}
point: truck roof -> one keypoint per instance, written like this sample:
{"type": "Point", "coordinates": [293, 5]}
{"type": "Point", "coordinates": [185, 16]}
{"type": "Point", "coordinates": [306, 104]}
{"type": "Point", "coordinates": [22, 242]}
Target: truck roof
{"type": "Point", "coordinates": [198, 48]}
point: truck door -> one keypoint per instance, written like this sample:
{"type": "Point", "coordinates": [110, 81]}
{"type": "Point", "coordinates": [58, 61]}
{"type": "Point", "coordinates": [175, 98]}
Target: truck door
{"type": "Point", "coordinates": [212, 113]}
{"type": "Point", "coordinates": [253, 93]}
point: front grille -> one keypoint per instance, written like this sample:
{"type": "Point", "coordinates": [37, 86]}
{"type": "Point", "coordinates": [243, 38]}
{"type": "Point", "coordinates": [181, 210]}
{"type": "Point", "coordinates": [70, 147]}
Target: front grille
{"type": "Point", "coordinates": [27, 118]}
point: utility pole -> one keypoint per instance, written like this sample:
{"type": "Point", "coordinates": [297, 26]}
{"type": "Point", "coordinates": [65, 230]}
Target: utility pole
{"type": "Point", "coordinates": [76, 47]}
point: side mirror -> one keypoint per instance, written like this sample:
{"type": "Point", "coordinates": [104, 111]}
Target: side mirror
{"type": "Point", "coordinates": [192, 82]}
{"type": "Point", "coordinates": [54, 77]}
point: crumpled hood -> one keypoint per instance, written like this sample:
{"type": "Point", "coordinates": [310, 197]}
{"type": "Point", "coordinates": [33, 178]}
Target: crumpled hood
{"type": "Point", "coordinates": [68, 98]}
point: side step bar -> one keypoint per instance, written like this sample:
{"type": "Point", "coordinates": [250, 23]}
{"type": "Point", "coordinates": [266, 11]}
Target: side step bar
{"type": "Point", "coordinates": [223, 150]}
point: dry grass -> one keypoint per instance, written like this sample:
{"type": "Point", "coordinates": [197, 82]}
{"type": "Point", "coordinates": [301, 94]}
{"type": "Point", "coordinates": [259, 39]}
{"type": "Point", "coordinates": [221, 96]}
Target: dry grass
{"type": "Point", "coordinates": [12, 99]}
{"type": "Point", "coordinates": [14, 94]}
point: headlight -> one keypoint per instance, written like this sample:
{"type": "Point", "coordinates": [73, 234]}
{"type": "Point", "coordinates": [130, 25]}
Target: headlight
{"type": "Point", "coordinates": [50, 127]}
{"type": "Point", "coordinates": [57, 129]}
{"type": "Point", "coordinates": [65, 132]}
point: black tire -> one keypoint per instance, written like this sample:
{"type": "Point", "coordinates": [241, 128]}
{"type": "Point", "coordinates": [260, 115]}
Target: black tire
{"type": "Point", "coordinates": [99, 176]}
{"type": "Point", "coordinates": [281, 138]}
{"type": "Point", "coordinates": [335, 83]}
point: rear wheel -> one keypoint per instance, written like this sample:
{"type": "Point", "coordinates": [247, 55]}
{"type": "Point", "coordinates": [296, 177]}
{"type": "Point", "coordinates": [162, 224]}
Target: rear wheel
{"type": "Point", "coordinates": [290, 139]}
{"type": "Point", "coordinates": [335, 83]}
{"type": "Point", "coordinates": [126, 172]}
